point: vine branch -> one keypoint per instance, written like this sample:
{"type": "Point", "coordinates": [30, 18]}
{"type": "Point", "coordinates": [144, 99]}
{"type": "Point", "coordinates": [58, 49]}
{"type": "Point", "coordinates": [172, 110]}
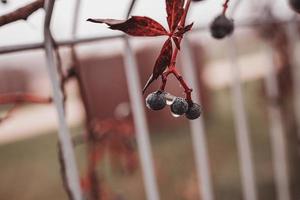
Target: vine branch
{"type": "Point", "coordinates": [172, 68]}
{"type": "Point", "coordinates": [21, 13]}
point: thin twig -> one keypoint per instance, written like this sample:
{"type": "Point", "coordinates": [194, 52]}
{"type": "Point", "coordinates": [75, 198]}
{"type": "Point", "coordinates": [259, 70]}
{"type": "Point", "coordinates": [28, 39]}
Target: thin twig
{"type": "Point", "coordinates": [94, 192]}
{"type": "Point", "coordinates": [8, 113]}
{"type": "Point", "coordinates": [62, 80]}
{"type": "Point", "coordinates": [130, 8]}
{"type": "Point", "coordinates": [21, 13]}
{"type": "Point", "coordinates": [17, 98]}
{"type": "Point", "coordinates": [92, 173]}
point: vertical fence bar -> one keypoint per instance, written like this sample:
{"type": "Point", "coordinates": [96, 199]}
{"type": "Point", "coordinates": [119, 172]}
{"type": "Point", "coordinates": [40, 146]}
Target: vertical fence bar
{"type": "Point", "coordinates": [75, 19]}
{"type": "Point", "coordinates": [198, 128]}
{"type": "Point", "coordinates": [241, 126]}
{"type": "Point", "coordinates": [63, 134]}
{"type": "Point", "coordinates": [293, 39]}
{"type": "Point", "coordinates": [277, 131]}
{"type": "Point", "coordinates": [141, 127]}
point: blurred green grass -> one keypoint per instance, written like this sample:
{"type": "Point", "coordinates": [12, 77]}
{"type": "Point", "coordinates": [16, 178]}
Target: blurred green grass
{"type": "Point", "coordinates": [29, 169]}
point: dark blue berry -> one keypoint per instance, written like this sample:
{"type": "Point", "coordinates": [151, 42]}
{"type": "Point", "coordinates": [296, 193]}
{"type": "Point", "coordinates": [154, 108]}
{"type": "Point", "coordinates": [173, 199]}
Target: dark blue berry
{"type": "Point", "coordinates": [295, 5]}
{"type": "Point", "coordinates": [193, 112]}
{"type": "Point", "coordinates": [179, 106]}
{"type": "Point", "coordinates": [221, 27]}
{"type": "Point", "coordinates": [156, 100]}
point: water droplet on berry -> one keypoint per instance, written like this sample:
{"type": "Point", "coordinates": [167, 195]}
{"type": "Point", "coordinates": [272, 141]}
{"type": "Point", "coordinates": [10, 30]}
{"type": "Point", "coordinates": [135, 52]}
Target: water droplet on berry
{"type": "Point", "coordinates": [148, 105]}
{"type": "Point", "coordinates": [170, 101]}
{"type": "Point", "coordinates": [175, 115]}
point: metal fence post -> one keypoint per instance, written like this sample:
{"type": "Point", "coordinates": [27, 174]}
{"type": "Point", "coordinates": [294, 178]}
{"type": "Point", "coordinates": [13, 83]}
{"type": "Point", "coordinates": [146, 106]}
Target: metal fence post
{"type": "Point", "coordinates": [293, 37]}
{"type": "Point", "coordinates": [141, 128]}
{"type": "Point", "coordinates": [277, 131]}
{"type": "Point", "coordinates": [242, 132]}
{"type": "Point", "coordinates": [198, 128]}
{"type": "Point", "coordinates": [63, 133]}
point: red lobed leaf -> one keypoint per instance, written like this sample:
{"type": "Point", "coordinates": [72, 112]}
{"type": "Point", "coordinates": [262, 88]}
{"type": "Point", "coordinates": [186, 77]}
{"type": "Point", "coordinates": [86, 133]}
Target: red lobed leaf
{"type": "Point", "coordinates": [161, 63]}
{"type": "Point", "coordinates": [185, 29]}
{"type": "Point", "coordinates": [135, 26]}
{"type": "Point", "coordinates": [164, 59]}
{"type": "Point", "coordinates": [179, 34]}
{"type": "Point", "coordinates": [175, 11]}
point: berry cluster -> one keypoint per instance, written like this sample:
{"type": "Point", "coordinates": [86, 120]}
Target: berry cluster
{"type": "Point", "coordinates": [179, 106]}
{"type": "Point", "coordinates": [165, 63]}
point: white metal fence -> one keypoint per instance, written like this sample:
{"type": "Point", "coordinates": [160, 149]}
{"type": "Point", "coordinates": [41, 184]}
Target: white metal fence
{"type": "Point", "coordinates": [197, 126]}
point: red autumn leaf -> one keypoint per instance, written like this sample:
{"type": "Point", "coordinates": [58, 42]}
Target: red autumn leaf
{"type": "Point", "coordinates": [179, 34]}
{"type": "Point", "coordinates": [184, 30]}
{"type": "Point", "coordinates": [162, 62]}
{"type": "Point", "coordinates": [135, 26]}
{"type": "Point", "coordinates": [175, 12]}
{"type": "Point", "coordinates": [163, 59]}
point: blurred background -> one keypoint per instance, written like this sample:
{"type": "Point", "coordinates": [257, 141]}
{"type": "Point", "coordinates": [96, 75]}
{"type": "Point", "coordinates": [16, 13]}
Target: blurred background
{"type": "Point", "coordinates": [29, 167]}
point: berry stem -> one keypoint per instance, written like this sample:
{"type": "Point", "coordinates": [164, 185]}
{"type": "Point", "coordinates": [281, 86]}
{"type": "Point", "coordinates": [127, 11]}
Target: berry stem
{"type": "Point", "coordinates": [172, 68]}
{"type": "Point", "coordinates": [225, 6]}
{"type": "Point", "coordinates": [164, 78]}
{"type": "Point", "coordinates": [187, 90]}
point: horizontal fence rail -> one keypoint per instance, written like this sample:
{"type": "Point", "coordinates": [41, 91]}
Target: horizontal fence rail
{"type": "Point", "coordinates": [75, 41]}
